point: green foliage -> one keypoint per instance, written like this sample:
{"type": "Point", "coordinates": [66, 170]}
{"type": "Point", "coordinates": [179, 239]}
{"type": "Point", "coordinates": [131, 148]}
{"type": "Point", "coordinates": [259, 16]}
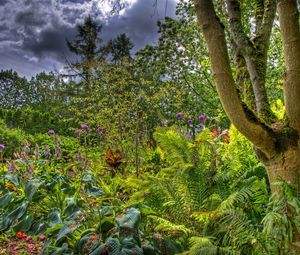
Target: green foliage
{"type": "Point", "coordinates": [12, 139]}
{"type": "Point", "coordinates": [14, 89]}
{"type": "Point", "coordinates": [34, 121]}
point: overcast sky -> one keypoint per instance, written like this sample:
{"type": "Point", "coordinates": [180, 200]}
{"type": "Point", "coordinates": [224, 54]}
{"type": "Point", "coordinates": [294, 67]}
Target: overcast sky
{"type": "Point", "coordinates": [33, 33]}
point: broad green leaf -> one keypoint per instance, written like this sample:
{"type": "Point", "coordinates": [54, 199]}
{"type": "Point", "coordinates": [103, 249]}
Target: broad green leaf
{"type": "Point", "coordinates": [5, 199]}
{"type": "Point", "coordinates": [31, 188]}
{"type": "Point", "coordinates": [131, 219]}
{"type": "Point", "coordinates": [13, 179]}
{"type": "Point", "coordinates": [66, 231]}
{"type": "Point", "coordinates": [24, 224]}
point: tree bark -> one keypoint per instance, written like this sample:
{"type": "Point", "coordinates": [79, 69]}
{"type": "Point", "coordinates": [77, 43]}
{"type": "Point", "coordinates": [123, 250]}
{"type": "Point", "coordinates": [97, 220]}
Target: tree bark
{"type": "Point", "coordinates": [290, 34]}
{"type": "Point", "coordinates": [285, 166]}
{"type": "Point", "coordinates": [254, 50]}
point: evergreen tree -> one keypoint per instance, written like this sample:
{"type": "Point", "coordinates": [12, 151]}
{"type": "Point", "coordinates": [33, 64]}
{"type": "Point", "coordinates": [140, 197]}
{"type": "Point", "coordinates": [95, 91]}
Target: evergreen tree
{"type": "Point", "coordinates": [86, 45]}
{"type": "Point", "coordinates": [119, 48]}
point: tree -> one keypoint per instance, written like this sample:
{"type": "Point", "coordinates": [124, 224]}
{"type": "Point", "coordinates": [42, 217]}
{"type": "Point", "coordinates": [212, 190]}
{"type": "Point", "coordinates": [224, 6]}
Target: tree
{"type": "Point", "coordinates": [119, 48]}
{"type": "Point", "coordinates": [15, 91]}
{"type": "Point", "coordinates": [276, 141]}
{"type": "Point", "coordinates": [86, 45]}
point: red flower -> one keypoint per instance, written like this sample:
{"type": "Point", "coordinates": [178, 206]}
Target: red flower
{"type": "Point", "coordinates": [21, 235]}
{"type": "Point", "coordinates": [42, 237]}
{"type": "Point", "coordinates": [215, 133]}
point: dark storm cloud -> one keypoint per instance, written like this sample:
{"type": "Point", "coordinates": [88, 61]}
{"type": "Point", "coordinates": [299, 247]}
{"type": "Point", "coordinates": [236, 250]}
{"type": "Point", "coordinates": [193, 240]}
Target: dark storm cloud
{"type": "Point", "coordinates": [140, 21]}
{"type": "Point", "coordinates": [29, 18]}
{"type": "Point", "coordinates": [3, 2]}
{"type": "Point", "coordinates": [33, 33]}
{"type": "Point", "coordinates": [50, 42]}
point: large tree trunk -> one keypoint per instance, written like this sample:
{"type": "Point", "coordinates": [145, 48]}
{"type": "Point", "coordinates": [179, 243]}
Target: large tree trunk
{"type": "Point", "coordinates": [285, 166]}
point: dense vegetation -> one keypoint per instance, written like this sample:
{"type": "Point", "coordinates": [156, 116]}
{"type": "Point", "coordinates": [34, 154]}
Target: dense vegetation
{"type": "Point", "coordinates": [127, 154]}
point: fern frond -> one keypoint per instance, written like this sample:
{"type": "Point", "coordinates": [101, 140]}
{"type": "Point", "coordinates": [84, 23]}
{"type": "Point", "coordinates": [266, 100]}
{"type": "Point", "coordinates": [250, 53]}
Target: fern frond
{"type": "Point", "coordinates": [205, 246]}
{"type": "Point", "coordinates": [167, 226]}
{"type": "Point", "coordinates": [237, 198]}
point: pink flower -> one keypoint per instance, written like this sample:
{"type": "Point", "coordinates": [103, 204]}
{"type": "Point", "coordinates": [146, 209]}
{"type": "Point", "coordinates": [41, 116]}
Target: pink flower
{"type": "Point", "coordinates": [28, 238]}
{"type": "Point", "coordinates": [30, 246]}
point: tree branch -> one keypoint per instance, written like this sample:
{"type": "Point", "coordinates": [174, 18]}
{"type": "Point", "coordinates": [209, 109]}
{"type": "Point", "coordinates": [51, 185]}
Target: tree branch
{"type": "Point", "coordinates": [259, 15]}
{"type": "Point", "coordinates": [265, 29]}
{"type": "Point", "coordinates": [255, 57]}
{"type": "Point", "coordinates": [290, 33]}
{"type": "Point", "coordinates": [258, 133]}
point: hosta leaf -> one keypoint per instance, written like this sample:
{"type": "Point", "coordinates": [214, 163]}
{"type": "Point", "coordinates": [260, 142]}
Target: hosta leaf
{"type": "Point", "coordinates": [24, 223]}
{"type": "Point", "coordinates": [13, 179]}
{"type": "Point", "coordinates": [5, 199]}
{"type": "Point", "coordinates": [94, 191]}
{"type": "Point", "coordinates": [99, 250]}
{"type": "Point", "coordinates": [13, 215]}
{"type": "Point", "coordinates": [66, 231]}
{"type": "Point", "coordinates": [54, 218]}
{"type": "Point", "coordinates": [88, 178]}
{"type": "Point", "coordinates": [54, 229]}
{"type": "Point", "coordinates": [31, 187]}
{"type": "Point", "coordinates": [39, 227]}
{"type": "Point", "coordinates": [60, 250]}
{"type": "Point", "coordinates": [72, 207]}
{"type": "Point", "coordinates": [131, 219]}
{"type": "Point", "coordinates": [107, 210]}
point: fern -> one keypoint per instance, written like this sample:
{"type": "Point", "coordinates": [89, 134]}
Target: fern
{"type": "Point", "coordinates": [167, 226]}
{"type": "Point", "coordinates": [205, 246]}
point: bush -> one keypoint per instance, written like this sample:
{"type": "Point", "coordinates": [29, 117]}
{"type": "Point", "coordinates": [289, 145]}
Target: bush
{"type": "Point", "coordinates": [11, 138]}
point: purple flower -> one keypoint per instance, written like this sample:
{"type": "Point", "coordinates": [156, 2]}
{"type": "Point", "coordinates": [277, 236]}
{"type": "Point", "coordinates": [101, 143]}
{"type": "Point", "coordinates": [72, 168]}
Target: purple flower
{"type": "Point", "coordinates": [102, 131]}
{"type": "Point", "coordinates": [202, 118]}
{"type": "Point", "coordinates": [190, 121]}
{"type": "Point", "coordinates": [99, 129]}
{"type": "Point", "coordinates": [51, 132]}
{"type": "Point", "coordinates": [179, 115]}
{"type": "Point", "coordinates": [85, 127]}
{"type": "Point", "coordinates": [2, 146]}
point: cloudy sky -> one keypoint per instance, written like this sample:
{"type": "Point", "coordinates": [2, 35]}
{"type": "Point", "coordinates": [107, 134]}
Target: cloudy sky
{"type": "Point", "coordinates": [33, 33]}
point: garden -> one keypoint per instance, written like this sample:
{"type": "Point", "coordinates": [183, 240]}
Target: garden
{"type": "Point", "coordinates": [189, 146]}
